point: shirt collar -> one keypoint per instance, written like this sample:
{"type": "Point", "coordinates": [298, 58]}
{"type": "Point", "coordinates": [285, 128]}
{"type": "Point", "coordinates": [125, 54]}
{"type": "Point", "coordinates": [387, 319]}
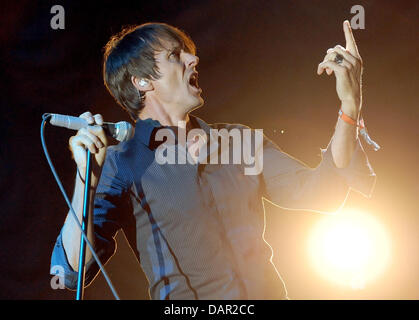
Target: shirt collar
{"type": "Point", "coordinates": [146, 129]}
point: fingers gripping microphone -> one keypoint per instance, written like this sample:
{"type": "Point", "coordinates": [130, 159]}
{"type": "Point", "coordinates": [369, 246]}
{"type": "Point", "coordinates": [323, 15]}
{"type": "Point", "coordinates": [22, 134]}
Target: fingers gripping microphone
{"type": "Point", "coordinates": [121, 131]}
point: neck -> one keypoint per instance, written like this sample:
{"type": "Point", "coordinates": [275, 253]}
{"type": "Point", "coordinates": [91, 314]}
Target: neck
{"type": "Point", "coordinates": [159, 113]}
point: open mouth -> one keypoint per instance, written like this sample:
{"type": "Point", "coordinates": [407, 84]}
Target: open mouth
{"type": "Point", "coordinates": [193, 81]}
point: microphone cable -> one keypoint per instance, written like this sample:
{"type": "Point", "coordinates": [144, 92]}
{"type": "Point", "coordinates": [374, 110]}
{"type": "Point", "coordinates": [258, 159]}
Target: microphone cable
{"type": "Point", "coordinates": [45, 117]}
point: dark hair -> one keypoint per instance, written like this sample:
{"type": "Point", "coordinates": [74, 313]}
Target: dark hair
{"type": "Point", "coordinates": [131, 53]}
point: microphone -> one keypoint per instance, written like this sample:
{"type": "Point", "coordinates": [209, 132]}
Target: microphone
{"type": "Point", "coordinates": [121, 131]}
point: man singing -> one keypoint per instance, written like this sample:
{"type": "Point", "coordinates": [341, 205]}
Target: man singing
{"type": "Point", "coordinates": [197, 228]}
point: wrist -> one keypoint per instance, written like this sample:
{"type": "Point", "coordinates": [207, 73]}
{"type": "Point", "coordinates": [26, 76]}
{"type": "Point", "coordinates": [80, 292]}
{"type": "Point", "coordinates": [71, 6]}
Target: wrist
{"type": "Point", "coordinates": [351, 108]}
{"type": "Point", "coordinates": [81, 176]}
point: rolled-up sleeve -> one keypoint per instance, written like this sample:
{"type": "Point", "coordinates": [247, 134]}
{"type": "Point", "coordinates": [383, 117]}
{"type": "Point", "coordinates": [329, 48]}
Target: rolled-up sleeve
{"type": "Point", "coordinates": [109, 200]}
{"type": "Point", "coordinates": [291, 184]}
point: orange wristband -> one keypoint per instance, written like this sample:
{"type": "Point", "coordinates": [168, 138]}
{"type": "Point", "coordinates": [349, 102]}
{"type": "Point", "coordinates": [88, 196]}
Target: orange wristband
{"type": "Point", "coordinates": [349, 120]}
{"type": "Point", "coordinates": [362, 131]}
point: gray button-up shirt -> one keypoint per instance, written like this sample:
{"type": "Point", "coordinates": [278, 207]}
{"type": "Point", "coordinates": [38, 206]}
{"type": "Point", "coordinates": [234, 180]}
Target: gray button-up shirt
{"type": "Point", "coordinates": [197, 229]}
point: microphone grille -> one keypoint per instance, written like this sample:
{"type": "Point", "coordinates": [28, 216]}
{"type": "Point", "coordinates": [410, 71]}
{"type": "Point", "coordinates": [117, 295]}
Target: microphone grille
{"type": "Point", "coordinates": [124, 131]}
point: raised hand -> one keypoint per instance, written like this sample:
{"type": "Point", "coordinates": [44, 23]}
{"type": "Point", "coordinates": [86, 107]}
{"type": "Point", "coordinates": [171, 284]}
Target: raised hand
{"type": "Point", "coordinates": [346, 64]}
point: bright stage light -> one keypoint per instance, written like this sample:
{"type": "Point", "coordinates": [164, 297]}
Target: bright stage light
{"type": "Point", "coordinates": [349, 248]}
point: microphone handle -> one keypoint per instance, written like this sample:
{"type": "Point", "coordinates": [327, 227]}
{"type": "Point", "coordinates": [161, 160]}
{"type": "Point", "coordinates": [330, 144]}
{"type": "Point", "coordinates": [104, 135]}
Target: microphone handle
{"type": "Point", "coordinates": [121, 131]}
{"type": "Point", "coordinates": [69, 122]}
{"type": "Point", "coordinates": [76, 123]}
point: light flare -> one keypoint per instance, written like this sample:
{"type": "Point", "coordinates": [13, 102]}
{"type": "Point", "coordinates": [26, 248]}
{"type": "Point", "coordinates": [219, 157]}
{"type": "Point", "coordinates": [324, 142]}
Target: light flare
{"type": "Point", "coordinates": [349, 248]}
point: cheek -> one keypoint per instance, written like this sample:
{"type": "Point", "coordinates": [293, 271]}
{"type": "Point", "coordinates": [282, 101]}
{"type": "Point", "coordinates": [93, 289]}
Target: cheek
{"type": "Point", "coordinates": [170, 89]}
{"type": "Point", "coordinates": [171, 85]}
{"type": "Point", "coordinates": [175, 80]}
{"type": "Point", "coordinates": [172, 80]}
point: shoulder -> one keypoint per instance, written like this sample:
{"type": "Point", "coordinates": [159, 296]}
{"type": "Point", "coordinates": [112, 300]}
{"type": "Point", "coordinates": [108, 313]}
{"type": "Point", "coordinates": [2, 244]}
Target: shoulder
{"type": "Point", "coordinates": [129, 160]}
{"type": "Point", "coordinates": [126, 149]}
{"type": "Point", "coordinates": [219, 125]}
{"type": "Point", "coordinates": [229, 126]}
{"type": "Point", "coordinates": [125, 155]}
{"type": "Point", "coordinates": [231, 129]}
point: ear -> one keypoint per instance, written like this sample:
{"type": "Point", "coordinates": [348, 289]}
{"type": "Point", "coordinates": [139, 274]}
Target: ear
{"type": "Point", "coordinates": [142, 84]}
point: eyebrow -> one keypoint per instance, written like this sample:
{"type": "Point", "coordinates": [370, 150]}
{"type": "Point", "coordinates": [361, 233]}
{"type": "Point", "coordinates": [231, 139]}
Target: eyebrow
{"type": "Point", "coordinates": [177, 47]}
{"type": "Point", "coordinates": [174, 45]}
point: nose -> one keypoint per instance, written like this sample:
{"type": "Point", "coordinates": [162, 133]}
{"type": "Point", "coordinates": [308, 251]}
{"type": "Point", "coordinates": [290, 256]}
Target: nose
{"type": "Point", "coordinates": [191, 60]}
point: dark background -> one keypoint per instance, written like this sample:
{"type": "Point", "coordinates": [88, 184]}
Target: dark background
{"type": "Point", "coordinates": [258, 62]}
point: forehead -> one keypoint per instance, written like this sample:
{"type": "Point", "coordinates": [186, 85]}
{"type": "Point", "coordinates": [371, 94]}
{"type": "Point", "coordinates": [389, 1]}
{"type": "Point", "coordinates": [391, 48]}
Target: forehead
{"type": "Point", "coordinates": [164, 47]}
{"type": "Point", "coordinates": [170, 41]}
{"type": "Point", "coordinates": [168, 44]}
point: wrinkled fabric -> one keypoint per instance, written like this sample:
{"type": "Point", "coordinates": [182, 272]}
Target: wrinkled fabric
{"type": "Point", "coordinates": [196, 229]}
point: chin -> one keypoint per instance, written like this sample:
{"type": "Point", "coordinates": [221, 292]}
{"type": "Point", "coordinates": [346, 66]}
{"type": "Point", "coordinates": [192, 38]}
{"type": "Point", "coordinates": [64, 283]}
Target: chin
{"type": "Point", "coordinates": [199, 102]}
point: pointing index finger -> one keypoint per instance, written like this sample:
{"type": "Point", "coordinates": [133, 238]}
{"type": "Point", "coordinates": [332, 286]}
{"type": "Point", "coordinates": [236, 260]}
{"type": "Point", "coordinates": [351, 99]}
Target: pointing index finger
{"type": "Point", "coordinates": [350, 40]}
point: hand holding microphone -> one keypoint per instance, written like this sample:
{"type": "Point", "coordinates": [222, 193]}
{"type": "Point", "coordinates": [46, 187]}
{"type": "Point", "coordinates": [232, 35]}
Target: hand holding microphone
{"type": "Point", "coordinates": [121, 131]}
{"type": "Point", "coordinates": [92, 137]}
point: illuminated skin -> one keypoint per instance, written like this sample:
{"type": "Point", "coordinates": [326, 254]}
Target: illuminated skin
{"type": "Point", "coordinates": [170, 99]}
{"type": "Point", "coordinates": [348, 87]}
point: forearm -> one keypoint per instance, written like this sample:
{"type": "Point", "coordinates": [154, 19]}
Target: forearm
{"type": "Point", "coordinates": [346, 64]}
{"type": "Point", "coordinates": [345, 136]}
{"type": "Point", "coordinates": [71, 233]}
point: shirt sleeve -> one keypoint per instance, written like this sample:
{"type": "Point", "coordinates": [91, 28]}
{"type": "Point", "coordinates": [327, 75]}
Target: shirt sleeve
{"type": "Point", "coordinates": [109, 199]}
{"type": "Point", "coordinates": [291, 184]}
